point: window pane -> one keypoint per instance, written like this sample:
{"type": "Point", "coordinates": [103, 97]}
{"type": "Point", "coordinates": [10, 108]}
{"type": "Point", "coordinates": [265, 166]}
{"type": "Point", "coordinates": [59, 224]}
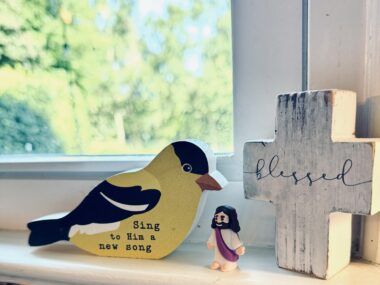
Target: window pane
{"type": "Point", "coordinates": [114, 77]}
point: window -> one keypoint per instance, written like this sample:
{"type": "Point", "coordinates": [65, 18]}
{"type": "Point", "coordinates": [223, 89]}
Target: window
{"type": "Point", "coordinates": [114, 76]}
{"type": "Point", "coordinates": [279, 46]}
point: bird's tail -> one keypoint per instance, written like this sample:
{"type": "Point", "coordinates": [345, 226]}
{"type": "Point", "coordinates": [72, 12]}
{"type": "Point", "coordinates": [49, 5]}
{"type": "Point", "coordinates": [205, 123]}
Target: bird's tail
{"type": "Point", "coordinates": [44, 232]}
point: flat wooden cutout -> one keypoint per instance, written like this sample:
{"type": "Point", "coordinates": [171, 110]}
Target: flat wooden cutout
{"type": "Point", "coordinates": [142, 214]}
{"type": "Point", "coordinates": [317, 174]}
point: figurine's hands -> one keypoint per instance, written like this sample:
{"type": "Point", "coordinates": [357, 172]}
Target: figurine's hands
{"type": "Point", "coordinates": [210, 245]}
{"type": "Point", "coordinates": [240, 250]}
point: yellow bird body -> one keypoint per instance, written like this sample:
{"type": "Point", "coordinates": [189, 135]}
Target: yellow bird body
{"type": "Point", "coordinates": [174, 214]}
{"type": "Point", "coordinates": [142, 214]}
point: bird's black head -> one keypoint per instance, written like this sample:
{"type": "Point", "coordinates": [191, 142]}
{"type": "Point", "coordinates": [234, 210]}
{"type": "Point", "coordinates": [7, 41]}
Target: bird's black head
{"type": "Point", "coordinates": [197, 158]}
{"type": "Point", "coordinates": [192, 157]}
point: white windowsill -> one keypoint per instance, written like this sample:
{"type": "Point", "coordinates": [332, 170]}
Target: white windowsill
{"type": "Point", "coordinates": [65, 264]}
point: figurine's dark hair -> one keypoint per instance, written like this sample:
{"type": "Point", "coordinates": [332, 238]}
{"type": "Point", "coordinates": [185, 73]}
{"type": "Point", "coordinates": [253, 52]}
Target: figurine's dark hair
{"type": "Point", "coordinates": [233, 223]}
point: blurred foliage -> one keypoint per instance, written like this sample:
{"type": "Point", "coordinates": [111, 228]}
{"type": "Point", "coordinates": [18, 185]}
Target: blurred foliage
{"type": "Point", "coordinates": [115, 76]}
{"type": "Point", "coordinates": [24, 130]}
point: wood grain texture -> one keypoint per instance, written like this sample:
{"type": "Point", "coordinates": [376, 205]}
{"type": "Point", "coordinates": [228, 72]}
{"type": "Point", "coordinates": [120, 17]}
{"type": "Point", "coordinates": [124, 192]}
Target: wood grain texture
{"type": "Point", "coordinates": [314, 167]}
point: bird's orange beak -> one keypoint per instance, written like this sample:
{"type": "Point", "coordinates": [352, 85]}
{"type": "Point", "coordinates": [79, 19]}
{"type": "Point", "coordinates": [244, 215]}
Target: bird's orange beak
{"type": "Point", "coordinates": [214, 181]}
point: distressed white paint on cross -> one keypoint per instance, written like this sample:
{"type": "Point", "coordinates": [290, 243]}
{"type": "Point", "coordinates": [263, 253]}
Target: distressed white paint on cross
{"type": "Point", "coordinates": [315, 172]}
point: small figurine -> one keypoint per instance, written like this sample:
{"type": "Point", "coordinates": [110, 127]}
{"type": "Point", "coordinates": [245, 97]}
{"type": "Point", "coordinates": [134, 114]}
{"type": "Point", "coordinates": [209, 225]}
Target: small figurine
{"type": "Point", "coordinates": [140, 214]}
{"type": "Point", "coordinates": [225, 239]}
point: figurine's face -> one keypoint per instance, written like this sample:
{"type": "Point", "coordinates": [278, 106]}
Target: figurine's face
{"type": "Point", "coordinates": [221, 220]}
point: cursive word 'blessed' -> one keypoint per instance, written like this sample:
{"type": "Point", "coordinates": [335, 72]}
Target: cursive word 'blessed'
{"type": "Point", "coordinates": [273, 172]}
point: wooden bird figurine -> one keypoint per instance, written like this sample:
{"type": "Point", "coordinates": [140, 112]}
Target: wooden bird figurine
{"type": "Point", "coordinates": [141, 214]}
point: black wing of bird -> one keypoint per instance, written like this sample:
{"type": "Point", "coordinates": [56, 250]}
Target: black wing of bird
{"type": "Point", "coordinates": [106, 203]}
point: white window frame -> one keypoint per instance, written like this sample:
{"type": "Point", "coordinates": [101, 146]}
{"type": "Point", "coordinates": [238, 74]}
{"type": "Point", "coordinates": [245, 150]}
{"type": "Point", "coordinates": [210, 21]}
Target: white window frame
{"type": "Point", "coordinates": [267, 60]}
{"type": "Point", "coordinates": [245, 91]}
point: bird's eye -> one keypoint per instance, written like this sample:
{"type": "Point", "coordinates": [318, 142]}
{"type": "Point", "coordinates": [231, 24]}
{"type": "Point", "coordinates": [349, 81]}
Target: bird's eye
{"type": "Point", "coordinates": [187, 167]}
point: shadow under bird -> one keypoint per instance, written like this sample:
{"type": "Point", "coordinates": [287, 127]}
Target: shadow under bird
{"type": "Point", "coordinates": [142, 214]}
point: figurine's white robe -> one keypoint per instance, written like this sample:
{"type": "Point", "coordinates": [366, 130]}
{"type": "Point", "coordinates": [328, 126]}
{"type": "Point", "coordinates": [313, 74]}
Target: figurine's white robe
{"type": "Point", "coordinates": [232, 241]}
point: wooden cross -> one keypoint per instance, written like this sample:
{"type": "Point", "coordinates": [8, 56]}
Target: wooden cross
{"type": "Point", "coordinates": [317, 174]}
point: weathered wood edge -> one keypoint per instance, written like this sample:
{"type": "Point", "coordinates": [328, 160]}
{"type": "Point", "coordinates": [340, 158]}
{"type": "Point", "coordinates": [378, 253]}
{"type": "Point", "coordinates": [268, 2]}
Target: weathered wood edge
{"type": "Point", "coordinates": [375, 199]}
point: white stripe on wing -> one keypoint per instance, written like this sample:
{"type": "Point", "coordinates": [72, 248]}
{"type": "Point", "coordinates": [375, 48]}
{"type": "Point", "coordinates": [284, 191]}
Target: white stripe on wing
{"type": "Point", "coordinates": [127, 207]}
